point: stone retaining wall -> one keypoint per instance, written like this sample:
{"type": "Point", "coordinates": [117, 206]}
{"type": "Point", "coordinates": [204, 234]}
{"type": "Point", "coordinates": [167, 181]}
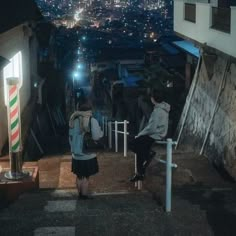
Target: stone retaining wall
{"type": "Point", "coordinates": [213, 108]}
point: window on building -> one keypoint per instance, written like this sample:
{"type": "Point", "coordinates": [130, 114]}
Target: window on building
{"type": "Point", "coordinates": [190, 12]}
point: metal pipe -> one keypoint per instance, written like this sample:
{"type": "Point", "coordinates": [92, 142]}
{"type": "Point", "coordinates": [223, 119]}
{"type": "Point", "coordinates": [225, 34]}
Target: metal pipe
{"type": "Point", "coordinates": [110, 134]}
{"type": "Point", "coordinates": [164, 162]}
{"type": "Point", "coordinates": [116, 136]}
{"type": "Point", "coordinates": [120, 122]}
{"type": "Point", "coordinates": [39, 125]}
{"type": "Point", "coordinates": [135, 169]}
{"type": "Point", "coordinates": [140, 184]}
{"type": "Point", "coordinates": [215, 106]}
{"type": "Point", "coordinates": [168, 174]}
{"type": "Point", "coordinates": [50, 117]}
{"type": "Point", "coordinates": [36, 141]}
{"type": "Point", "coordinates": [103, 124]}
{"type": "Point", "coordinates": [119, 132]}
{"type": "Point", "coordinates": [125, 138]}
{"type": "Point", "coordinates": [188, 100]}
{"type": "Point", "coordinates": [106, 126]}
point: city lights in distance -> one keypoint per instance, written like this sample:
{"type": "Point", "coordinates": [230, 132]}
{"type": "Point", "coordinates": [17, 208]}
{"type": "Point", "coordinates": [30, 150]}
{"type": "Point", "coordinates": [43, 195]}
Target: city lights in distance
{"type": "Point", "coordinates": [77, 14]}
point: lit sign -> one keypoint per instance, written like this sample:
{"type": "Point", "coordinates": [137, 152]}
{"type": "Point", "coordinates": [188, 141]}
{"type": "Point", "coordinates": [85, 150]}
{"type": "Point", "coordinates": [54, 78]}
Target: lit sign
{"type": "Point", "coordinates": [13, 69]}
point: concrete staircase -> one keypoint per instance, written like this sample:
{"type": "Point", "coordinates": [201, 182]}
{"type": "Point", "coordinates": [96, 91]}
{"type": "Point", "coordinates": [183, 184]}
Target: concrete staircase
{"type": "Point", "coordinates": [59, 212]}
{"type": "Point", "coordinates": [207, 208]}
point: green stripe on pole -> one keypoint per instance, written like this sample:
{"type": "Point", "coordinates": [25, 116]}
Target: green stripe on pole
{"type": "Point", "coordinates": [14, 148]}
{"type": "Point", "coordinates": [14, 124]}
{"type": "Point", "coordinates": [13, 101]}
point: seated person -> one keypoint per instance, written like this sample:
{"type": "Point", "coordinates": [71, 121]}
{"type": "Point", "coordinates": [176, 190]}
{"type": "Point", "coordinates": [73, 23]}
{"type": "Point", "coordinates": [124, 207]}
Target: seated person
{"type": "Point", "coordinates": [156, 129]}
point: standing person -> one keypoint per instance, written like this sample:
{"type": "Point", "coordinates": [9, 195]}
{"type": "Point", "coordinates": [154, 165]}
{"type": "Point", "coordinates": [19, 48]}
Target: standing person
{"type": "Point", "coordinates": [156, 129]}
{"type": "Point", "coordinates": [79, 96]}
{"type": "Point", "coordinates": [83, 164]}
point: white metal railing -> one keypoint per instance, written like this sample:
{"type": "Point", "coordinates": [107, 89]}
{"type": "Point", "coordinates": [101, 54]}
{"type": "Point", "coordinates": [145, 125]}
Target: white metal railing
{"type": "Point", "coordinates": [106, 125]}
{"type": "Point", "coordinates": [124, 132]}
{"type": "Point", "coordinates": [169, 165]}
{"type": "Point", "coordinates": [107, 129]}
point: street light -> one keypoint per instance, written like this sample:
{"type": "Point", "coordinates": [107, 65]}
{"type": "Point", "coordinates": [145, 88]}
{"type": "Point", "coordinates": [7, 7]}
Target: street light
{"type": "Point", "coordinates": [74, 75]}
{"type": "Point", "coordinates": [80, 66]}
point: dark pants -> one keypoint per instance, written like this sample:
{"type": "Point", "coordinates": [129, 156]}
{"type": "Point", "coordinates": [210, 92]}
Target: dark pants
{"type": "Point", "coordinates": [141, 146]}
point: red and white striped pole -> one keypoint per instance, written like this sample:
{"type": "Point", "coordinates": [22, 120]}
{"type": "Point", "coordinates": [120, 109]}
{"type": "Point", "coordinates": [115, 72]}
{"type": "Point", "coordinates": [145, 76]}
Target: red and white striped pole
{"type": "Point", "coordinates": [14, 118]}
{"type": "Point", "coordinates": [14, 129]}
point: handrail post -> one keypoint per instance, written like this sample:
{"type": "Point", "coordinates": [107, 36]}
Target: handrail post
{"type": "Point", "coordinates": [135, 169]}
{"type": "Point", "coordinates": [125, 138]}
{"type": "Point", "coordinates": [116, 136]}
{"type": "Point", "coordinates": [110, 134]}
{"type": "Point", "coordinates": [106, 126]}
{"type": "Point", "coordinates": [103, 124]}
{"type": "Point", "coordinates": [168, 174]}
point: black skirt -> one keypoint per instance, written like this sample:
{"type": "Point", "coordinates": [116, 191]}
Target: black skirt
{"type": "Point", "coordinates": [84, 168]}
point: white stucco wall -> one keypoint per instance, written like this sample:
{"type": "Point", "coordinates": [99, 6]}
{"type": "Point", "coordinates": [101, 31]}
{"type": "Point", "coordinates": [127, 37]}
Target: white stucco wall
{"type": "Point", "coordinates": [201, 31]}
{"type": "Point", "coordinates": [12, 42]}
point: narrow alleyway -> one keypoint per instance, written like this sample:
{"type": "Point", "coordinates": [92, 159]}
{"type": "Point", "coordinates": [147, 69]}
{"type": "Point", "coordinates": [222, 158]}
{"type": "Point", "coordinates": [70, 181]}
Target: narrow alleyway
{"type": "Point", "coordinates": [202, 201]}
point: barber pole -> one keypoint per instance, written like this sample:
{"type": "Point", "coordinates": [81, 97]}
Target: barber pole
{"type": "Point", "coordinates": [14, 129]}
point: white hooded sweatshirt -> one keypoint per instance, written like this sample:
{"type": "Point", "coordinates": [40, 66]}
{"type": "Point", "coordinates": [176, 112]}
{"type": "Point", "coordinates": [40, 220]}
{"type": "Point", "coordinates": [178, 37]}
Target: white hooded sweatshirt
{"type": "Point", "coordinates": [157, 126]}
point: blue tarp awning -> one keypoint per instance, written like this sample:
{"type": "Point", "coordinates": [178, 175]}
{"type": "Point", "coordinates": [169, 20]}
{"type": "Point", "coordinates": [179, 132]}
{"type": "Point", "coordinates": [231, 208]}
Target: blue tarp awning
{"type": "Point", "coordinates": [188, 47]}
{"type": "Point", "coordinates": [170, 49]}
{"type": "Point", "coordinates": [131, 80]}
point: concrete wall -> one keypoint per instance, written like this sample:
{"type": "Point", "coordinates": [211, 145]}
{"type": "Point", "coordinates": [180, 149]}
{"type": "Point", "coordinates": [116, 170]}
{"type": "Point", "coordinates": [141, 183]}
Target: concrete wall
{"type": "Point", "coordinates": [214, 98]}
{"type": "Point", "coordinates": [11, 42]}
{"type": "Point", "coordinates": [3, 115]}
{"type": "Point", "coordinates": [201, 31]}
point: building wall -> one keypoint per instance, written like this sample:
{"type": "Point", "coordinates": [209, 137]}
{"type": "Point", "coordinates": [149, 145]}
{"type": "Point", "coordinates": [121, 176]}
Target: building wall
{"type": "Point", "coordinates": [201, 31]}
{"type": "Point", "coordinates": [220, 145]}
{"type": "Point", "coordinates": [3, 115]}
{"type": "Point", "coordinates": [11, 42]}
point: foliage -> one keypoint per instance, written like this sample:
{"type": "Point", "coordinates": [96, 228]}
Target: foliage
{"type": "Point", "coordinates": [156, 76]}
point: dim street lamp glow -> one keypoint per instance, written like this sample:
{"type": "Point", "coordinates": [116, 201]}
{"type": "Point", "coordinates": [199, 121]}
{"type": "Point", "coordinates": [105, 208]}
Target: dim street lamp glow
{"type": "Point", "coordinates": [75, 74]}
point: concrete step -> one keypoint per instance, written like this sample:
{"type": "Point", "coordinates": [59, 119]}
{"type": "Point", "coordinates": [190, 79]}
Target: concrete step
{"type": "Point", "coordinates": [60, 213]}
{"type": "Point", "coordinates": [67, 200]}
{"type": "Point", "coordinates": [101, 216]}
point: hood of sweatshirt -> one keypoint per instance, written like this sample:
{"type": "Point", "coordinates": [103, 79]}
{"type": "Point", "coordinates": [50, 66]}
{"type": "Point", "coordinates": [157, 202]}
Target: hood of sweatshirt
{"type": "Point", "coordinates": [164, 106]}
{"type": "Point", "coordinates": [84, 117]}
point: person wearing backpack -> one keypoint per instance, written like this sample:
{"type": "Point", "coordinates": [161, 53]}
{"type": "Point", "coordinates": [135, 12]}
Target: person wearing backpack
{"type": "Point", "coordinates": [84, 165]}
